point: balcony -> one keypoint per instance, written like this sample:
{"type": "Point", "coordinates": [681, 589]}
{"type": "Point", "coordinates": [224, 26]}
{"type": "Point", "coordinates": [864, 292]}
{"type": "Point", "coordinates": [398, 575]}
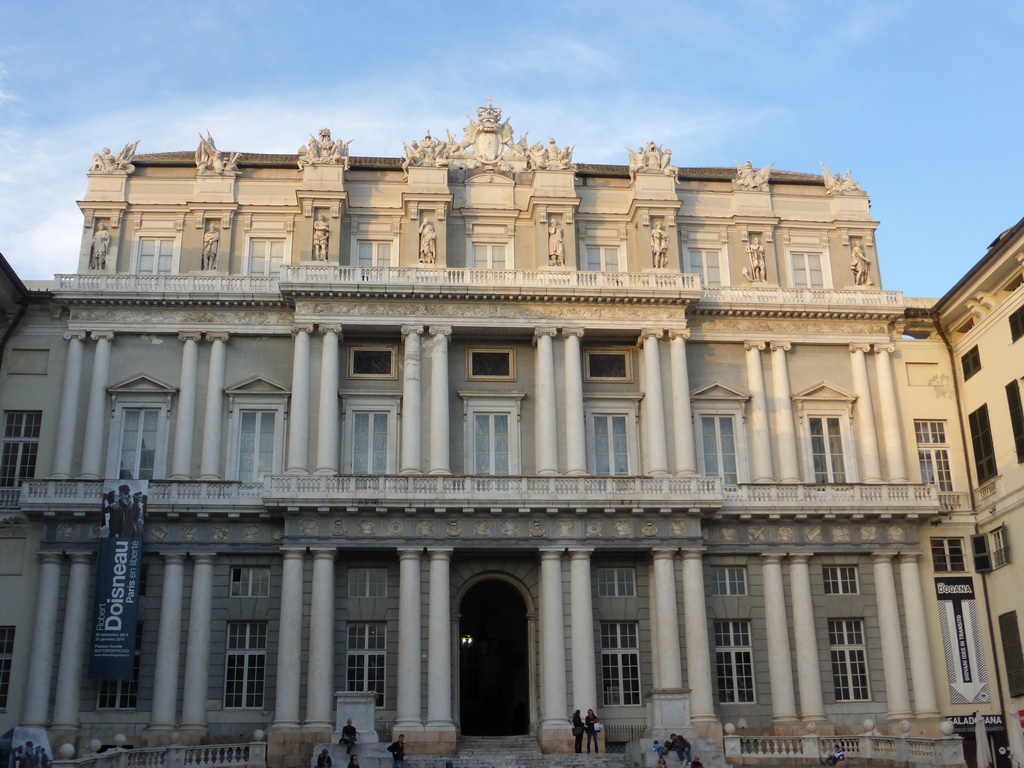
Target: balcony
{"type": "Point", "coordinates": [858, 500]}
{"type": "Point", "coordinates": [801, 302]}
{"type": "Point", "coordinates": [163, 289]}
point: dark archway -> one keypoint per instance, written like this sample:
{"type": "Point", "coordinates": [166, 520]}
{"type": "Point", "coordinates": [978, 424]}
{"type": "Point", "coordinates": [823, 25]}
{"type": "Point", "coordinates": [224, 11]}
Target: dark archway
{"type": "Point", "coordinates": [493, 661]}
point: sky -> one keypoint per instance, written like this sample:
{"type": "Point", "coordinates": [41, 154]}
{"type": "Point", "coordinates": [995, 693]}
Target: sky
{"type": "Point", "coordinates": [921, 99]}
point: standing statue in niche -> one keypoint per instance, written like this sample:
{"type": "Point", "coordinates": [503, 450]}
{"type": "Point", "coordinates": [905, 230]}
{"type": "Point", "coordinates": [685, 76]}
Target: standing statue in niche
{"type": "Point", "coordinates": [860, 266]}
{"type": "Point", "coordinates": [321, 238]}
{"type": "Point", "coordinates": [211, 247]}
{"type": "Point", "coordinates": [556, 244]}
{"type": "Point", "coordinates": [99, 248]}
{"type": "Point", "coordinates": [428, 243]}
{"type": "Point", "coordinates": [755, 252]}
{"type": "Point", "coordinates": [659, 246]}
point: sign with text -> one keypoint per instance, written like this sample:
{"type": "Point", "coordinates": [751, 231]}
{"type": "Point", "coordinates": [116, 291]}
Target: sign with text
{"type": "Point", "coordinates": [961, 640]}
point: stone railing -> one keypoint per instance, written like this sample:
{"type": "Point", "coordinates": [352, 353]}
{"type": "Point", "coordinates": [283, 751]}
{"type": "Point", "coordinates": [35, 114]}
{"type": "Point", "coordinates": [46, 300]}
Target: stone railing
{"type": "Point", "coordinates": [9, 498]}
{"type": "Point", "coordinates": [987, 490]}
{"type": "Point", "coordinates": [212, 756]}
{"type": "Point", "coordinates": [953, 501]}
{"type": "Point", "coordinates": [798, 296]}
{"type": "Point", "coordinates": [919, 498]}
{"type": "Point", "coordinates": [50, 495]}
{"type": "Point", "coordinates": [176, 284]}
{"type": "Point", "coordinates": [891, 749]}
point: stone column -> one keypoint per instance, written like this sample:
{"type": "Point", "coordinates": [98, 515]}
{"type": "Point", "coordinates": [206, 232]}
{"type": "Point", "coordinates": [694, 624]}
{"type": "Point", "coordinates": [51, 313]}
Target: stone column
{"type": "Point", "coordinates": [209, 464]}
{"type": "Point", "coordinates": [320, 669]}
{"type": "Point", "coordinates": [439, 639]}
{"type": "Point", "coordinates": [184, 424]}
{"type": "Point", "coordinates": [652, 607]}
{"type": "Point", "coordinates": [892, 432]}
{"type": "Point", "coordinates": [93, 454]}
{"type": "Point", "coordinates": [439, 418]}
{"type": "Point", "coordinates": [867, 443]}
{"type": "Point", "coordinates": [547, 434]}
{"type": "Point", "coordinates": [412, 461]}
{"type": "Point", "coordinates": [328, 423]}
{"type": "Point", "coordinates": [68, 421]}
{"type": "Point", "coordinates": [780, 663]}
{"type": "Point", "coordinates": [197, 648]}
{"type": "Point", "coordinates": [654, 404]}
{"type": "Point", "coordinates": [72, 645]}
{"type": "Point", "coordinates": [925, 701]}
{"type": "Point", "coordinates": [808, 671]}
{"type": "Point", "coordinates": [554, 696]}
{"type": "Point", "coordinates": [682, 416]}
{"type": "Point", "coordinates": [298, 414]}
{"type": "Point", "coordinates": [761, 454]}
{"type": "Point", "coordinates": [782, 408]}
{"type": "Point", "coordinates": [667, 617]}
{"type": "Point", "coordinates": [40, 662]}
{"type": "Point", "coordinates": [163, 716]}
{"type": "Point", "coordinates": [575, 434]}
{"type": "Point", "coordinates": [289, 643]}
{"type": "Point", "coordinates": [584, 659]}
{"type": "Point", "coordinates": [889, 627]}
{"type": "Point", "coordinates": [410, 673]}
{"type": "Point", "coordinates": [698, 651]}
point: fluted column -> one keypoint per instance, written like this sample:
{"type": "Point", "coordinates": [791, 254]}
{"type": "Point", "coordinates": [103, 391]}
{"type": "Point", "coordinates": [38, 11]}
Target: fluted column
{"type": "Point", "coordinates": [298, 414]}
{"type": "Point", "coordinates": [782, 408]}
{"type": "Point", "coordinates": [889, 627]}
{"type": "Point", "coordinates": [892, 432]}
{"type": "Point", "coordinates": [209, 464]}
{"type": "Point", "coordinates": [410, 673]}
{"type": "Point", "coordinates": [682, 416]}
{"type": "Point", "coordinates": [808, 671]}
{"type": "Point", "coordinates": [761, 454]}
{"type": "Point", "coordinates": [780, 664]}
{"type": "Point", "coordinates": [96, 417]}
{"type": "Point", "coordinates": [652, 607]}
{"type": "Point", "coordinates": [867, 442]}
{"type": "Point", "coordinates": [184, 425]}
{"type": "Point", "coordinates": [320, 669]}
{"type": "Point", "coordinates": [554, 698]}
{"type": "Point", "coordinates": [168, 645]}
{"type": "Point", "coordinates": [575, 435]}
{"type": "Point", "coordinates": [412, 461]}
{"type": "Point", "coordinates": [328, 423]}
{"type": "Point", "coordinates": [584, 659]}
{"type": "Point", "coordinates": [667, 617]}
{"type": "Point", "coordinates": [698, 651]}
{"type": "Point", "coordinates": [440, 463]}
{"type": "Point", "coordinates": [439, 639]}
{"type": "Point", "coordinates": [546, 431]}
{"type": "Point", "coordinates": [289, 643]}
{"type": "Point", "coordinates": [925, 701]}
{"type": "Point", "coordinates": [197, 647]}
{"type": "Point", "coordinates": [40, 662]}
{"type": "Point", "coordinates": [72, 645]}
{"type": "Point", "coordinates": [68, 420]}
{"type": "Point", "coordinates": [654, 404]}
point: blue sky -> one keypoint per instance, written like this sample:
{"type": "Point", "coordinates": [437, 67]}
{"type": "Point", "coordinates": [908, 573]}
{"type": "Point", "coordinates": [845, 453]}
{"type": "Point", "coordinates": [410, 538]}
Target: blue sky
{"type": "Point", "coordinates": [921, 99]}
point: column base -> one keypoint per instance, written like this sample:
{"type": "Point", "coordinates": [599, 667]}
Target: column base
{"type": "Point", "coordinates": [406, 726]}
{"type": "Point", "coordinates": [325, 471]}
{"type": "Point", "coordinates": [159, 735]}
{"type": "Point", "coordinates": [440, 471]}
{"type": "Point", "coordinates": [548, 472]}
{"type": "Point", "coordinates": [576, 473]}
{"type": "Point", "coordinates": [438, 739]}
{"type": "Point", "coordinates": [193, 733]}
{"type": "Point", "coordinates": [556, 738]}
{"type": "Point", "coordinates": [668, 711]}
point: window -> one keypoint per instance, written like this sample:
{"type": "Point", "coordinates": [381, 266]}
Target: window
{"type": "Point", "coordinates": [849, 659]}
{"type": "Point", "coordinates": [257, 440]}
{"type": "Point", "coordinates": [933, 454]}
{"type": "Point", "coordinates": [948, 555]}
{"type": "Point", "coordinates": [734, 662]}
{"type": "Point", "coordinates": [981, 442]}
{"type": "Point", "coordinates": [1000, 548]}
{"type": "Point", "coordinates": [729, 580]}
{"type": "Point", "coordinates": [707, 264]}
{"type": "Point", "coordinates": [490, 364]}
{"type": "Point", "coordinates": [718, 448]}
{"type": "Point", "coordinates": [620, 663]}
{"type": "Point", "coordinates": [1013, 654]}
{"type": "Point", "coordinates": [364, 669]}
{"type": "Point", "coordinates": [373, 254]}
{"type": "Point", "coordinates": [488, 256]}
{"type": "Point", "coordinates": [265, 257]}
{"type": "Point", "coordinates": [490, 443]}
{"type": "Point", "coordinates": [600, 259]}
{"type": "Point", "coordinates": [21, 446]}
{"type": "Point", "coordinates": [491, 435]}
{"type": "Point", "coordinates": [138, 443]}
{"type": "Point", "coordinates": [609, 365]}
{"type": "Point", "coordinates": [6, 660]}
{"type": "Point", "coordinates": [245, 669]}
{"type": "Point", "coordinates": [371, 362]}
{"type": "Point", "coordinates": [370, 435]}
{"type": "Point", "coordinates": [840, 579]}
{"type": "Point", "coordinates": [156, 256]}
{"type": "Point", "coordinates": [616, 582]}
{"type": "Point", "coordinates": [1016, 418]}
{"type": "Point", "coordinates": [1017, 324]}
{"type": "Point", "coordinates": [611, 447]}
{"type": "Point", "coordinates": [122, 694]}
{"type": "Point", "coordinates": [807, 270]}
{"type": "Point", "coordinates": [827, 449]}
{"type": "Point", "coordinates": [367, 582]}
{"type": "Point", "coordinates": [970, 362]}
{"type": "Point", "coordinates": [250, 581]}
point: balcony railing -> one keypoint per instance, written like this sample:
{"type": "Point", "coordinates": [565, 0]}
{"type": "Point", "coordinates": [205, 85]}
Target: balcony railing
{"type": "Point", "coordinates": [170, 284]}
{"type": "Point", "coordinates": [212, 756]}
{"type": "Point", "coordinates": [890, 749]}
{"type": "Point", "coordinates": [818, 296]}
{"type": "Point", "coordinates": [822, 498]}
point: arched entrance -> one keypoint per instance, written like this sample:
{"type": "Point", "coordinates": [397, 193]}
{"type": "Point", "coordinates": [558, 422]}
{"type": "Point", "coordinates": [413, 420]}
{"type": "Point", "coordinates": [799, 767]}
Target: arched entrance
{"type": "Point", "coordinates": [493, 661]}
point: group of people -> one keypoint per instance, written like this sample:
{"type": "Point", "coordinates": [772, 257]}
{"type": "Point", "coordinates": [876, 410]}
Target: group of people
{"type": "Point", "coordinates": [349, 737]}
{"type": "Point", "coordinates": [29, 755]}
{"type": "Point", "coordinates": [677, 743]}
{"type": "Point", "coordinates": [588, 725]}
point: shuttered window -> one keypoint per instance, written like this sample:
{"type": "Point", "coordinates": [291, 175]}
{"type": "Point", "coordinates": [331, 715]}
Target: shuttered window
{"type": "Point", "coordinates": [1013, 655]}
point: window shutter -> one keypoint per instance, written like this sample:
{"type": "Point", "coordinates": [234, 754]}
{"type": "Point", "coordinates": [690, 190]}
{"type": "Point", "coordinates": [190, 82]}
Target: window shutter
{"type": "Point", "coordinates": [1013, 655]}
{"type": "Point", "coordinates": [982, 558]}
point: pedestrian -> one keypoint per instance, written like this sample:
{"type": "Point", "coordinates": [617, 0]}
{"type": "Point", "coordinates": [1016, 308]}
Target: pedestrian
{"type": "Point", "coordinates": [324, 760]}
{"type": "Point", "coordinates": [577, 730]}
{"type": "Point", "coordinates": [592, 726]}
{"type": "Point", "coordinates": [397, 750]}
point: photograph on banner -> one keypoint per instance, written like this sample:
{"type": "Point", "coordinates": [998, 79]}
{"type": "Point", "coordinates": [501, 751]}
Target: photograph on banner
{"type": "Point", "coordinates": [124, 509]}
{"type": "Point", "coordinates": [25, 748]}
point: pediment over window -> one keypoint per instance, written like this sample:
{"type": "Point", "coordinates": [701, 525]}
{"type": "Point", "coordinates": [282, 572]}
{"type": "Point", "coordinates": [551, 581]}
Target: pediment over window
{"type": "Point", "coordinates": [719, 393]}
{"type": "Point", "coordinates": [824, 396]}
{"type": "Point", "coordinates": [256, 385]}
{"type": "Point", "coordinates": [142, 384]}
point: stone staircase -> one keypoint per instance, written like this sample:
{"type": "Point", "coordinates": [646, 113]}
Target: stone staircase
{"type": "Point", "coordinates": [514, 752]}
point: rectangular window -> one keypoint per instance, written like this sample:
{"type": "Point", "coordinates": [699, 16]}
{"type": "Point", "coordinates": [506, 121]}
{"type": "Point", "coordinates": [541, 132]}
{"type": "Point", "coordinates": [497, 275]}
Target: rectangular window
{"type": "Point", "coordinates": [122, 694]}
{"type": "Point", "coordinates": [730, 580]}
{"type": "Point", "coordinates": [734, 662]}
{"type": "Point", "coordinates": [609, 366]}
{"type": "Point", "coordinates": [849, 659]}
{"type": "Point", "coordinates": [488, 256]}
{"type": "Point", "coordinates": [256, 445]}
{"type": "Point", "coordinates": [248, 581]}
{"type": "Point", "coordinates": [807, 272]}
{"type": "Point", "coordinates": [21, 446]}
{"type": "Point", "coordinates": [370, 442]}
{"type": "Point", "coordinates": [245, 668]}
{"type": "Point", "coordinates": [827, 449]}
{"type": "Point", "coordinates": [491, 365]}
{"type": "Point", "coordinates": [970, 362]}
{"type": "Point", "coordinates": [138, 443]}
{"type": "Point", "coordinates": [933, 454]}
{"type": "Point", "coordinates": [490, 443]}
{"type": "Point", "coordinates": [1016, 418]}
{"type": "Point", "coordinates": [1013, 653]}
{"type": "Point", "coordinates": [611, 446]}
{"type": "Point", "coordinates": [367, 582]}
{"type": "Point", "coordinates": [364, 669]}
{"type": "Point", "coordinates": [372, 254]}
{"type": "Point", "coordinates": [1000, 548]}
{"type": "Point", "coordinates": [265, 257]}
{"type": "Point", "coordinates": [840, 579]}
{"type": "Point", "coordinates": [718, 446]}
{"type": "Point", "coordinates": [616, 582]}
{"type": "Point", "coordinates": [6, 661]}
{"type": "Point", "coordinates": [371, 362]}
{"type": "Point", "coordinates": [620, 663]}
{"type": "Point", "coordinates": [155, 256]}
{"type": "Point", "coordinates": [707, 264]}
{"type": "Point", "coordinates": [981, 442]}
{"type": "Point", "coordinates": [948, 555]}
{"type": "Point", "coordinates": [1017, 324]}
{"type": "Point", "coordinates": [600, 259]}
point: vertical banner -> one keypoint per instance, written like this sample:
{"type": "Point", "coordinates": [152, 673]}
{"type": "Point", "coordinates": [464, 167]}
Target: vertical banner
{"type": "Point", "coordinates": [118, 566]}
{"type": "Point", "coordinates": [961, 640]}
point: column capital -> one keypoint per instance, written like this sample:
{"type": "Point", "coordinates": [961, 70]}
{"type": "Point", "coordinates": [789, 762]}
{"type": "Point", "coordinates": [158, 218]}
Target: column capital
{"type": "Point", "coordinates": [173, 558]}
{"type": "Point", "coordinates": [203, 558]}
{"type": "Point", "coordinates": [217, 335]}
{"type": "Point", "coordinates": [102, 335]}
{"type": "Point", "coordinates": [780, 346]}
{"type": "Point", "coordinates": [551, 553]}
{"type": "Point", "coordinates": [910, 557]}
{"type": "Point", "coordinates": [440, 553]}
{"type": "Point", "coordinates": [693, 553]}
{"type": "Point", "coordinates": [882, 557]}
{"type": "Point", "coordinates": [293, 554]}
{"type": "Point", "coordinates": [650, 333]}
{"type": "Point", "coordinates": [189, 335]}
{"type": "Point", "coordinates": [678, 334]}
{"type": "Point", "coordinates": [544, 330]}
{"type": "Point", "coordinates": [859, 346]}
{"type": "Point", "coordinates": [78, 335]}
{"type": "Point", "coordinates": [413, 329]}
{"type": "Point", "coordinates": [80, 557]}
{"type": "Point", "coordinates": [326, 328]}
{"type": "Point", "coordinates": [580, 553]}
{"type": "Point", "coordinates": [302, 328]}
{"type": "Point", "coordinates": [440, 331]}
{"type": "Point", "coordinates": [772, 557]}
{"type": "Point", "coordinates": [757, 345]}
{"type": "Point", "coordinates": [50, 557]}
{"type": "Point", "coordinates": [324, 553]}
{"type": "Point", "coordinates": [577, 332]}
{"type": "Point", "coordinates": [800, 558]}
{"type": "Point", "coordinates": [410, 553]}
{"type": "Point", "coordinates": [663, 553]}
{"type": "Point", "coordinates": [888, 348]}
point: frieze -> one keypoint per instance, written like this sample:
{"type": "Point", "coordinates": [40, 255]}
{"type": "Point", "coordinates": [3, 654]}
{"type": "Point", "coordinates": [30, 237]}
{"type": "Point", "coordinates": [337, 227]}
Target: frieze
{"type": "Point", "coordinates": [250, 534]}
{"type": "Point", "coordinates": [454, 528]}
{"type": "Point", "coordinates": [812, 534]}
{"type": "Point", "coordinates": [634, 315]}
{"type": "Point", "coordinates": [481, 528]}
{"type": "Point", "coordinates": [367, 528]}
{"type": "Point", "coordinates": [536, 528]}
{"type": "Point", "coordinates": [425, 528]}
{"type": "Point", "coordinates": [338, 528]}
{"type": "Point", "coordinates": [564, 529]}
{"type": "Point", "coordinates": [178, 317]}
{"type": "Point", "coordinates": [649, 529]}
{"type": "Point", "coordinates": [757, 533]}
{"type": "Point", "coordinates": [158, 532]}
{"type": "Point", "coordinates": [65, 531]}
{"type": "Point", "coordinates": [895, 533]}
{"type": "Point", "coordinates": [785, 534]}
{"type": "Point", "coordinates": [622, 529]}
{"type": "Point", "coordinates": [189, 532]}
{"type": "Point", "coordinates": [677, 528]}
{"type": "Point", "coordinates": [307, 526]}
{"type": "Point", "coordinates": [395, 528]}
{"type": "Point", "coordinates": [219, 533]}
{"type": "Point", "coordinates": [841, 534]}
{"type": "Point", "coordinates": [788, 327]}
{"type": "Point", "coordinates": [868, 533]}
{"type": "Point", "coordinates": [593, 529]}
{"type": "Point", "coordinates": [509, 528]}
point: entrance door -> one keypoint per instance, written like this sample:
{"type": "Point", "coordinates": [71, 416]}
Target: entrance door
{"type": "Point", "coordinates": [493, 676]}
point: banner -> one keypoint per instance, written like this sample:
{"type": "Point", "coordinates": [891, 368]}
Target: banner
{"type": "Point", "coordinates": [118, 566]}
{"type": "Point", "coordinates": [961, 640]}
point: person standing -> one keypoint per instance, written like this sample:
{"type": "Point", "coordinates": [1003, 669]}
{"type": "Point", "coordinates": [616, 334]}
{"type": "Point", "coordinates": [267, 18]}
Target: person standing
{"type": "Point", "coordinates": [577, 730]}
{"type": "Point", "coordinates": [397, 750]}
{"type": "Point", "coordinates": [590, 726]}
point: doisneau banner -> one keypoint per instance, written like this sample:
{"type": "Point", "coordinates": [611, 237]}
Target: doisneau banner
{"type": "Point", "coordinates": [118, 567]}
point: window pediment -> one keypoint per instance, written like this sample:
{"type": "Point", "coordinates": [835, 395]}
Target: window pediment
{"type": "Point", "coordinates": [256, 385]}
{"type": "Point", "coordinates": [142, 384]}
{"type": "Point", "coordinates": [823, 395]}
{"type": "Point", "coordinates": [717, 392]}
